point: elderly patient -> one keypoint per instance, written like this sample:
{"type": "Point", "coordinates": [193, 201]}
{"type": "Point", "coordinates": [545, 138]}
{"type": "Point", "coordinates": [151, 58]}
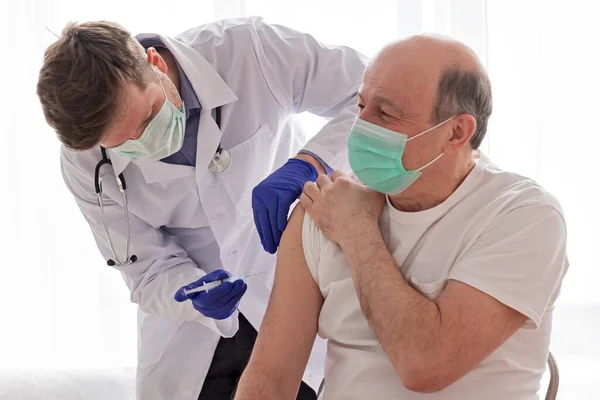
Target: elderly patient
{"type": "Point", "coordinates": [432, 272]}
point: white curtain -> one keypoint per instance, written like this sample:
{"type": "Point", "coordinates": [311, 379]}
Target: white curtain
{"type": "Point", "coordinates": [63, 308]}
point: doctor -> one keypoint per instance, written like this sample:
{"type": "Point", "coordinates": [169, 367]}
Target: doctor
{"type": "Point", "coordinates": [169, 150]}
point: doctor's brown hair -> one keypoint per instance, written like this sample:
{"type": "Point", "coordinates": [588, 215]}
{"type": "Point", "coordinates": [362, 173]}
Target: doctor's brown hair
{"type": "Point", "coordinates": [82, 77]}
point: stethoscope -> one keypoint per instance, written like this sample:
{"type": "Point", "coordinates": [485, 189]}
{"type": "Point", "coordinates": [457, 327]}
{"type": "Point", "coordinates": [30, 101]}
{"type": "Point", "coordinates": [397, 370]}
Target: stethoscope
{"type": "Point", "coordinates": [219, 163]}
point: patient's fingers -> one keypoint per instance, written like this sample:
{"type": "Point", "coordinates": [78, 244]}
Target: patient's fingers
{"type": "Point", "coordinates": [322, 181]}
{"type": "Point", "coordinates": [311, 190]}
{"type": "Point", "coordinates": [337, 174]}
{"type": "Point", "coordinates": [306, 201]}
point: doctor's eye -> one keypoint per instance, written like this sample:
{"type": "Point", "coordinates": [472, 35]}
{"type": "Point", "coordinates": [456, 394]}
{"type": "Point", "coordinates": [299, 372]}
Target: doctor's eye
{"type": "Point", "coordinates": [360, 107]}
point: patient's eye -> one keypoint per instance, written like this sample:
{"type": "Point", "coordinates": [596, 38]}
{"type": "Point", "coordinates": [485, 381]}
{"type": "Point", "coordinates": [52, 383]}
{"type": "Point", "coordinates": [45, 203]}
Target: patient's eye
{"type": "Point", "coordinates": [385, 115]}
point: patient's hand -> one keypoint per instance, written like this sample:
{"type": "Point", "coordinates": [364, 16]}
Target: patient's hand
{"type": "Point", "coordinates": [343, 208]}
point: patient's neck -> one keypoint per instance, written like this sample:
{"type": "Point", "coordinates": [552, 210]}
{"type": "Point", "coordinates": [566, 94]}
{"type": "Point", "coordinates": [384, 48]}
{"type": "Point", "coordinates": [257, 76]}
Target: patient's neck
{"type": "Point", "coordinates": [429, 192]}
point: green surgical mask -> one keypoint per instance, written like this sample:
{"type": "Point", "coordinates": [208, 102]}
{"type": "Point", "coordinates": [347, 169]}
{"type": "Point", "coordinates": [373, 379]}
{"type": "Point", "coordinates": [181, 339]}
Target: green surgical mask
{"type": "Point", "coordinates": [375, 155]}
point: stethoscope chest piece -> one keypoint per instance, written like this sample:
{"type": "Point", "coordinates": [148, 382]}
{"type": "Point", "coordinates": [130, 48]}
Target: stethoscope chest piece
{"type": "Point", "coordinates": [220, 162]}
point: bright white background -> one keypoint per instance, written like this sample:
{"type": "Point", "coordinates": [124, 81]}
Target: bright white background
{"type": "Point", "coordinates": [62, 308]}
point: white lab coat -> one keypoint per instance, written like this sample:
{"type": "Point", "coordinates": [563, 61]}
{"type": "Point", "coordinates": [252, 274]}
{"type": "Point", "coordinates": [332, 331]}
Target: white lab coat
{"type": "Point", "coordinates": [188, 221]}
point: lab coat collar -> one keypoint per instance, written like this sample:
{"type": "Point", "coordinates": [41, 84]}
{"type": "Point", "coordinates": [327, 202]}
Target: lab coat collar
{"type": "Point", "coordinates": [211, 89]}
{"type": "Point", "coordinates": [118, 162]}
{"type": "Point", "coordinates": [212, 92]}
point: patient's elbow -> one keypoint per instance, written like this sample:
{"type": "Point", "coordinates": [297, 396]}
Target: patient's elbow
{"type": "Point", "coordinates": [424, 380]}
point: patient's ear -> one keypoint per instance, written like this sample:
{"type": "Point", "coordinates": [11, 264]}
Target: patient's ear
{"type": "Point", "coordinates": [463, 129]}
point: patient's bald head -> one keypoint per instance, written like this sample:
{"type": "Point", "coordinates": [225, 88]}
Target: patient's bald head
{"type": "Point", "coordinates": [428, 79]}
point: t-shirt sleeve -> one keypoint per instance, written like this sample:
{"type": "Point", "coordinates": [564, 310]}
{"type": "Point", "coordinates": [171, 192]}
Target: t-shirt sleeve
{"type": "Point", "coordinates": [312, 242]}
{"type": "Point", "coordinates": [520, 260]}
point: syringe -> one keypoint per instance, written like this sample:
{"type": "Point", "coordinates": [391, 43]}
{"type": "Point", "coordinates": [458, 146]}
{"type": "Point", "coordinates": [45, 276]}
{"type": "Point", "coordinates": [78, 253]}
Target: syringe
{"type": "Point", "coordinates": [214, 284]}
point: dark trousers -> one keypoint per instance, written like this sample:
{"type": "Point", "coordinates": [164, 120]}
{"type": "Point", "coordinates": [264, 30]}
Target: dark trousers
{"type": "Point", "coordinates": [230, 359]}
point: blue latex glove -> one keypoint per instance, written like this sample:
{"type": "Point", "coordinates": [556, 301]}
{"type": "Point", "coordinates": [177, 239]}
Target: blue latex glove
{"type": "Point", "coordinates": [272, 198]}
{"type": "Point", "coordinates": [217, 303]}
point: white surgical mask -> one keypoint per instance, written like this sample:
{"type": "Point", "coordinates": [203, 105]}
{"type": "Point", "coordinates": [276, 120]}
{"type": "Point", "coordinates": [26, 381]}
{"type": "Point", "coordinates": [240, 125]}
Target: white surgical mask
{"type": "Point", "coordinates": [162, 137]}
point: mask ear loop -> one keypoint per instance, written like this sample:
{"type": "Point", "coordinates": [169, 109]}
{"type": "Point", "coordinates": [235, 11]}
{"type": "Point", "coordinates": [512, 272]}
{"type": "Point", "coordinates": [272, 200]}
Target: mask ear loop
{"type": "Point", "coordinates": [430, 162]}
{"type": "Point", "coordinates": [430, 129]}
{"type": "Point", "coordinates": [424, 132]}
{"type": "Point", "coordinates": [164, 90]}
{"type": "Point", "coordinates": [161, 84]}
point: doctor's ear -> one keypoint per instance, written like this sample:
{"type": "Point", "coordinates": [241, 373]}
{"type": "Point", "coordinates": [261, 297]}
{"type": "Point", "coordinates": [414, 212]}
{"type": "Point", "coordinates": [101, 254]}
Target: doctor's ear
{"type": "Point", "coordinates": [155, 59]}
{"type": "Point", "coordinates": [463, 128]}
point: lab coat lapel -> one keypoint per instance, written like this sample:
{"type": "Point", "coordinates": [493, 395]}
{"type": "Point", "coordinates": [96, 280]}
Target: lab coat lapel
{"type": "Point", "coordinates": [212, 92]}
{"type": "Point", "coordinates": [158, 171]}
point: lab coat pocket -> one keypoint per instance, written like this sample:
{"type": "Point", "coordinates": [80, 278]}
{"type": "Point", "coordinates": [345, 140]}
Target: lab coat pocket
{"type": "Point", "coordinates": [251, 162]}
{"type": "Point", "coordinates": [430, 290]}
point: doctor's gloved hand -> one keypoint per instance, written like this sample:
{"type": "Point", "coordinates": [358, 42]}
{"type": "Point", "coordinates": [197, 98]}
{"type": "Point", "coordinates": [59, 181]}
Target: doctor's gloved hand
{"type": "Point", "coordinates": [273, 197]}
{"type": "Point", "coordinates": [217, 303]}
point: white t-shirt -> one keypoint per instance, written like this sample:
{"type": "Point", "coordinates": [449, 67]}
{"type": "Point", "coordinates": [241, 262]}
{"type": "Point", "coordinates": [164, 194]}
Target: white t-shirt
{"type": "Point", "coordinates": [498, 232]}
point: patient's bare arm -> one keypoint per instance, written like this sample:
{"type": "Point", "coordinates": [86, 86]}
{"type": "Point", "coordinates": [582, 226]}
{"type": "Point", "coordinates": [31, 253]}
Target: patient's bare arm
{"type": "Point", "coordinates": [289, 328]}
